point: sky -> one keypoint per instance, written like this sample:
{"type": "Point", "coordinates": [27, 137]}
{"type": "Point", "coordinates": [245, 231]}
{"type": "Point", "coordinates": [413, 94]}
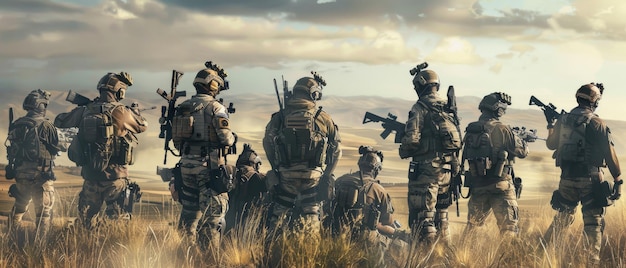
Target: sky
{"type": "Point", "coordinates": [546, 48]}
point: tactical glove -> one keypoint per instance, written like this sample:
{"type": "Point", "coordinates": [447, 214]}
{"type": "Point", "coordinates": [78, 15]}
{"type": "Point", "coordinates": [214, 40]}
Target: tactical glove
{"type": "Point", "coordinates": [617, 190]}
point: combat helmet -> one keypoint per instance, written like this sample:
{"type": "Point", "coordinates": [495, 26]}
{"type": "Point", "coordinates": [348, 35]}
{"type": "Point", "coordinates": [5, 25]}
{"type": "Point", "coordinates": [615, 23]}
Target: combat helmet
{"type": "Point", "coordinates": [424, 79]}
{"type": "Point", "coordinates": [115, 83]}
{"type": "Point", "coordinates": [36, 100]}
{"type": "Point", "coordinates": [496, 102]}
{"type": "Point", "coordinates": [309, 87]}
{"type": "Point", "coordinates": [248, 158]}
{"type": "Point", "coordinates": [371, 161]}
{"type": "Point", "coordinates": [591, 92]}
{"type": "Point", "coordinates": [211, 80]}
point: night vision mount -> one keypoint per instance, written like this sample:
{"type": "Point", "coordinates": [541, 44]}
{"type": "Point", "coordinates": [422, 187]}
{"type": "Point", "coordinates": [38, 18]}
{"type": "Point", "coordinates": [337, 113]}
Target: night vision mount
{"type": "Point", "coordinates": [418, 68]}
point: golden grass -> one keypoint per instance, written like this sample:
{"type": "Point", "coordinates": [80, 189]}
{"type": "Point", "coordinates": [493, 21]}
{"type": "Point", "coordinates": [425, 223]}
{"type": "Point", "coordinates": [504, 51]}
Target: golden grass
{"type": "Point", "coordinates": [145, 243]}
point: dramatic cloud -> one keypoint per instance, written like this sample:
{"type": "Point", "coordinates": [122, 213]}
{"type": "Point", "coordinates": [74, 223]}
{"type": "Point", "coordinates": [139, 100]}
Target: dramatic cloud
{"type": "Point", "coordinates": [455, 50]}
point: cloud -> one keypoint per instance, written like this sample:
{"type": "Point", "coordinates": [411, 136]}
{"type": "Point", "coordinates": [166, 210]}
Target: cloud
{"type": "Point", "coordinates": [602, 19]}
{"type": "Point", "coordinates": [153, 36]}
{"type": "Point", "coordinates": [455, 50]}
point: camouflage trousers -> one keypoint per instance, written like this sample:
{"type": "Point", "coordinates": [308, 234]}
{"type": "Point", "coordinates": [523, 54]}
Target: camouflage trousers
{"type": "Point", "coordinates": [428, 201]}
{"type": "Point", "coordinates": [31, 186]}
{"type": "Point", "coordinates": [204, 209]}
{"type": "Point", "coordinates": [94, 194]}
{"type": "Point", "coordinates": [498, 197]}
{"type": "Point", "coordinates": [295, 203]}
{"type": "Point", "coordinates": [573, 191]}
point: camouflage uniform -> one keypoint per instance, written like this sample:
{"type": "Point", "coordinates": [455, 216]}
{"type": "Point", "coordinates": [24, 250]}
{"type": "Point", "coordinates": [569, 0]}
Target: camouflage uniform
{"type": "Point", "coordinates": [250, 190]}
{"type": "Point", "coordinates": [297, 191]}
{"type": "Point", "coordinates": [203, 196]}
{"type": "Point", "coordinates": [579, 179]}
{"type": "Point", "coordinates": [363, 207]}
{"type": "Point", "coordinates": [429, 189]}
{"type": "Point", "coordinates": [34, 178]}
{"type": "Point", "coordinates": [107, 184]}
{"type": "Point", "coordinates": [494, 191]}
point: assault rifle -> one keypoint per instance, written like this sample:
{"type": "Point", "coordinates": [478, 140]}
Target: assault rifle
{"type": "Point", "coordinates": [529, 135]}
{"type": "Point", "coordinates": [548, 110]}
{"type": "Point", "coordinates": [390, 124]}
{"type": "Point", "coordinates": [457, 180]}
{"type": "Point", "coordinates": [168, 112]}
{"type": "Point", "coordinates": [77, 98]}
{"type": "Point", "coordinates": [10, 167]}
{"type": "Point", "coordinates": [135, 106]}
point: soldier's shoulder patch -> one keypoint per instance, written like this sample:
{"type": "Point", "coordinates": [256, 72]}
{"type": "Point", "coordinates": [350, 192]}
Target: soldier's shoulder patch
{"type": "Point", "coordinates": [223, 122]}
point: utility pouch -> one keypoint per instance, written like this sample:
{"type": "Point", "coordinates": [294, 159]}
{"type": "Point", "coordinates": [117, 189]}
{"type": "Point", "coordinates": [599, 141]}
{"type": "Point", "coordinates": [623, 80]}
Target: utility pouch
{"type": "Point", "coordinates": [222, 180]}
{"type": "Point", "coordinates": [601, 193]}
{"type": "Point", "coordinates": [371, 217]}
{"type": "Point", "coordinates": [10, 172]}
{"type": "Point", "coordinates": [499, 170]}
{"type": "Point", "coordinates": [413, 171]}
{"type": "Point", "coordinates": [182, 127]}
{"type": "Point", "coordinates": [479, 166]}
{"type": "Point", "coordinates": [13, 192]}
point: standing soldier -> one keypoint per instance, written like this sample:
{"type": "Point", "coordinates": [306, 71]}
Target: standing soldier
{"type": "Point", "coordinates": [201, 132]}
{"type": "Point", "coordinates": [32, 147]}
{"type": "Point", "coordinates": [363, 207]}
{"type": "Point", "coordinates": [583, 145]}
{"type": "Point", "coordinates": [432, 139]}
{"type": "Point", "coordinates": [104, 147]}
{"type": "Point", "coordinates": [490, 148]}
{"type": "Point", "coordinates": [302, 145]}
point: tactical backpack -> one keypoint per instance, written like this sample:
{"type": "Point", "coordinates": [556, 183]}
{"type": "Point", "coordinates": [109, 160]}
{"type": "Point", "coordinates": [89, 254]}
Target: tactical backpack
{"type": "Point", "coordinates": [301, 141]}
{"type": "Point", "coordinates": [445, 129]}
{"type": "Point", "coordinates": [25, 142]}
{"type": "Point", "coordinates": [96, 138]}
{"type": "Point", "coordinates": [191, 123]}
{"type": "Point", "coordinates": [478, 149]}
{"type": "Point", "coordinates": [572, 144]}
{"type": "Point", "coordinates": [350, 204]}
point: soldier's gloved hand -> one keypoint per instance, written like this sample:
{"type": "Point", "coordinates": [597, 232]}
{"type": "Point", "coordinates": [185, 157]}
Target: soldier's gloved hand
{"type": "Point", "coordinates": [617, 190]}
{"type": "Point", "coordinates": [173, 191]}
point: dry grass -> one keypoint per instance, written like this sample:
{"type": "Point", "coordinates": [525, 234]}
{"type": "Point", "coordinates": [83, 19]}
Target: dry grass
{"type": "Point", "coordinates": [146, 243]}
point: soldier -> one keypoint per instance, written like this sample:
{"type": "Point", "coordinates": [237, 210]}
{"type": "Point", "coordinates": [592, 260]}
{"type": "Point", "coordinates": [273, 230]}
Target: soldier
{"type": "Point", "coordinates": [363, 207]}
{"type": "Point", "coordinates": [250, 191]}
{"type": "Point", "coordinates": [432, 138]}
{"type": "Point", "coordinates": [302, 146]}
{"type": "Point", "coordinates": [104, 147]}
{"type": "Point", "coordinates": [201, 132]}
{"type": "Point", "coordinates": [33, 145]}
{"type": "Point", "coordinates": [583, 145]}
{"type": "Point", "coordinates": [490, 148]}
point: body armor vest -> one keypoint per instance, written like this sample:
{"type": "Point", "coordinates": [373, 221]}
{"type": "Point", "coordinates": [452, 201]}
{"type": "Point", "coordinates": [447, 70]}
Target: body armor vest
{"type": "Point", "coordinates": [573, 148]}
{"type": "Point", "coordinates": [441, 130]}
{"type": "Point", "coordinates": [483, 157]}
{"type": "Point", "coordinates": [301, 141]}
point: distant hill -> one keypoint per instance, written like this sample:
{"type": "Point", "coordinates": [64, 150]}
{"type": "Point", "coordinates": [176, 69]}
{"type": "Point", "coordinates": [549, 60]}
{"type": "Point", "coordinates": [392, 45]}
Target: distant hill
{"type": "Point", "coordinates": [254, 110]}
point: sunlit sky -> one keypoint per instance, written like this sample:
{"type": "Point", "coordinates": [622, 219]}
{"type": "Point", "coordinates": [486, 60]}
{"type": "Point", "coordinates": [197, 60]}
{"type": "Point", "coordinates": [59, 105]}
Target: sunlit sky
{"type": "Point", "coordinates": [546, 48]}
